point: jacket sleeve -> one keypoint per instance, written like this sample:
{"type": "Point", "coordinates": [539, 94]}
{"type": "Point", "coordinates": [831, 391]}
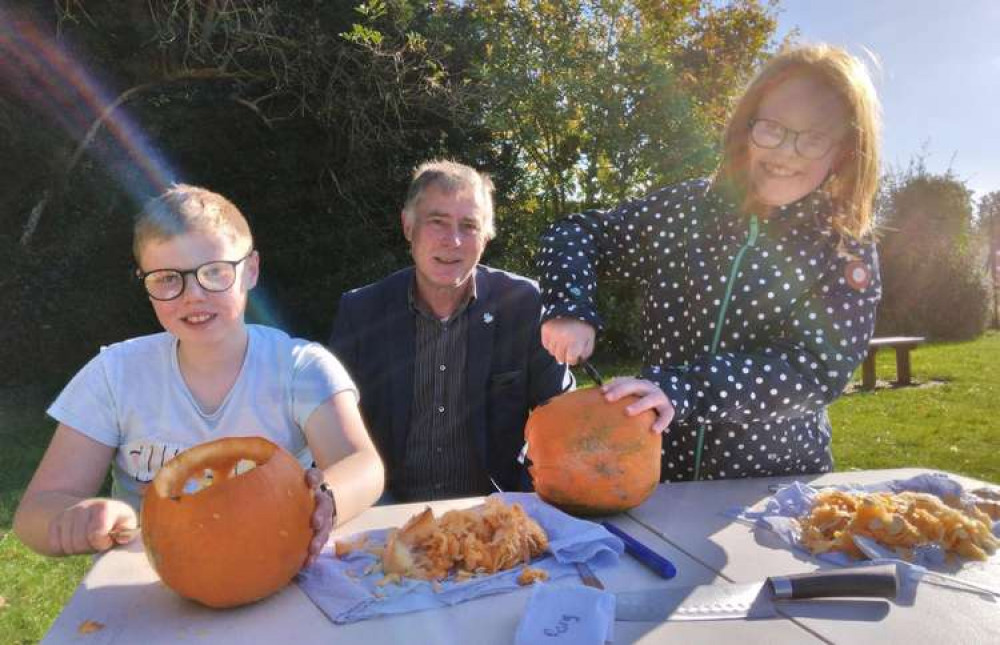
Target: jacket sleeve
{"type": "Point", "coordinates": [802, 369]}
{"type": "Point", "coordinates": [345, 336]}
{"type": "Point", "coordinates": [615, 244]}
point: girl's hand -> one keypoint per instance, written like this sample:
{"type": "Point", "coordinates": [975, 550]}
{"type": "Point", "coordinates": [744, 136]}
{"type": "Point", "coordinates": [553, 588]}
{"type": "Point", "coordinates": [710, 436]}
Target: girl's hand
{"type": "Point", "coordinates": [322, 517]}
{"type": "Point", "coordinates": [92, 525]}
{"type": "Point", "coordinates": [651, 397]}
{"type": "Point", "coordinates": [568, 340]}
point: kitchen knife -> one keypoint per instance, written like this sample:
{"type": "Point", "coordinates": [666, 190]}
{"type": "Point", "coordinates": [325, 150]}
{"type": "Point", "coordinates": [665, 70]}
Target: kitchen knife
{"type": "Point", "coordinates": [754, 600]}
{"type": "Point", "coordinates": [588, 576]}
{"type": "Point", "coordinates": [592, 372]}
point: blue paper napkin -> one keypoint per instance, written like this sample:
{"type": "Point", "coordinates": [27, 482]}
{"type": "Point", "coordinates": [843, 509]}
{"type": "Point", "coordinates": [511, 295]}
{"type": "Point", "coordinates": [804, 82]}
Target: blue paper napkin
{"type": "Point", "coordinates": [576, 615]}
{"type": "Point", "coordinates": [347, 591]}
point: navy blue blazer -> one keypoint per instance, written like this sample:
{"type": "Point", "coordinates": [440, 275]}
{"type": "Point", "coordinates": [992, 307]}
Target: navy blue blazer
{"type": "Point", "coordinates": [508, 371]}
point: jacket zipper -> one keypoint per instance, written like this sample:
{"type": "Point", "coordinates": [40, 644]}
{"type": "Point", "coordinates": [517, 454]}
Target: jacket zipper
{"type": "Point", "coordinates": [750, 241]}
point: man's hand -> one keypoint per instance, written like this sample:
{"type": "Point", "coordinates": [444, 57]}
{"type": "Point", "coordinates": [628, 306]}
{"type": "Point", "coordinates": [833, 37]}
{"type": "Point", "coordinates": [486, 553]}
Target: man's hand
{"type": "Point", "coordinates": [322, 517]}
{"type": "Point", "coordinates": [92, 525]}
{"type": "Point", "coordinates": [568, 340]}
{"type": "Point", "coordinates": [651, 397]}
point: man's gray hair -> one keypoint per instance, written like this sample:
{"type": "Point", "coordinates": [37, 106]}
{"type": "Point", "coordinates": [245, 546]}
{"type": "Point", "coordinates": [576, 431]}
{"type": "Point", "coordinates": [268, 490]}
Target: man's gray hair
{"type": "Point", "coordinates": [451, 177]}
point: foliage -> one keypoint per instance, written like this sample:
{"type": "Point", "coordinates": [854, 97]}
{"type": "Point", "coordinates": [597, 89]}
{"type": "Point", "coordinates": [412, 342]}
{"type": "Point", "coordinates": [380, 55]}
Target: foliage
{"type": "Point", "coordinates": [988, 228]}
{"type": "Point", "coordinates": [598, 101]}
{"type": "Point", "coordinates": [310, 115]}
{"type": "Point", "coordinates": [309, 128]}
{"type": "Point", "coordinates": [933, 281]}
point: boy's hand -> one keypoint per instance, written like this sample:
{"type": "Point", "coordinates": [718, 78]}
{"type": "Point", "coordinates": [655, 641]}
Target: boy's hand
{"type": "Point", "coordinates": [87, 526]}
{"type": "Point", "coordinates": [322, 517]}
{"type": "Point", "coordinates": [651, 397]}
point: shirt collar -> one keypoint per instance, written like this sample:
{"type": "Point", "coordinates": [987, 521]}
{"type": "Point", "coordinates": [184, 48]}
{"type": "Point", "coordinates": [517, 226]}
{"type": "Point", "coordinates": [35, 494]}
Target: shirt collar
{"type": "Point", "coordinates": [418, 306]}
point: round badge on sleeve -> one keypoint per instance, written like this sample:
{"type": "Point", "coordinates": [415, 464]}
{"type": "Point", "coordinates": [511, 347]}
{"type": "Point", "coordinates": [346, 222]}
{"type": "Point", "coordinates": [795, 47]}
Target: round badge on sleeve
{"type": "Point", "coordinates": [858, 275]}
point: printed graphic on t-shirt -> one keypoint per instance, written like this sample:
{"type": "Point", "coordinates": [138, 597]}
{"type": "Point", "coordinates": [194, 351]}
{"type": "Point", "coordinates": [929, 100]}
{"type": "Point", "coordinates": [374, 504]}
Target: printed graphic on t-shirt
{"type": "Point", "coordinates": [143, 459]}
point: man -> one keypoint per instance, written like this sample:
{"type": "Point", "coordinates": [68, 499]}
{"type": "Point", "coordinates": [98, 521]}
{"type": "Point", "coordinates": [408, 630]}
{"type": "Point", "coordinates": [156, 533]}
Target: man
{"type": "Point", "coordinates": [447, 353]}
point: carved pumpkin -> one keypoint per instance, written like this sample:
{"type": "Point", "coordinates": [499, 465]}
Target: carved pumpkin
{"type": "Point", "coordinates": [588, 457]}
{"type": "Point", "coordinates": [239, 538]}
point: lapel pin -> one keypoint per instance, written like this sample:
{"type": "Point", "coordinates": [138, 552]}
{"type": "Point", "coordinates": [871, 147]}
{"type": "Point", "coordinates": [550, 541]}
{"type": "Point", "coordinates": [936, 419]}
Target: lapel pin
{"type": "Point", "coordinates": [487, 318]}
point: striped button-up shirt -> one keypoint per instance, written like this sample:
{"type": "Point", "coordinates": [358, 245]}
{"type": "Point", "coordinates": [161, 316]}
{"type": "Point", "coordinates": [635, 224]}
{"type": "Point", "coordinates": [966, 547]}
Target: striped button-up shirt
{"type": "Point", "coordinates": [441, 460]}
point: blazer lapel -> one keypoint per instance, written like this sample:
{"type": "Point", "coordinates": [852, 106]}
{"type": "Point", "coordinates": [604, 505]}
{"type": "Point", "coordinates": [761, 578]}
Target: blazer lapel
{"type": "Point", "coordinates": [482, 323]}
{"type": "Point", "coordinates": [400, 350]}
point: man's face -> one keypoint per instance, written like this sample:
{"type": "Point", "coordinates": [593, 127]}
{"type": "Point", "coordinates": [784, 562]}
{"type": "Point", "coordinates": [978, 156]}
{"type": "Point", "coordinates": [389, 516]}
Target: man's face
{"type": "Point", "coordinates": [447, 237]}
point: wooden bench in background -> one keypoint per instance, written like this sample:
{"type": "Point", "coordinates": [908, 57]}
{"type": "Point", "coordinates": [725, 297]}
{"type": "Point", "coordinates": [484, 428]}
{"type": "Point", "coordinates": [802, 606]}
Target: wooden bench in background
{"type": "Point", "coordinates": [902, 345]}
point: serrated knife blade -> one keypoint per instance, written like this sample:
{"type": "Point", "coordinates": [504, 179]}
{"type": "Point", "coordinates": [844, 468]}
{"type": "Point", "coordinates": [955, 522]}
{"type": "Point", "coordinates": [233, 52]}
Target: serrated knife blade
{"type": "Point", "coordinates": [753, 600]}
{"type": "Point", "coordinates": [707, 602]}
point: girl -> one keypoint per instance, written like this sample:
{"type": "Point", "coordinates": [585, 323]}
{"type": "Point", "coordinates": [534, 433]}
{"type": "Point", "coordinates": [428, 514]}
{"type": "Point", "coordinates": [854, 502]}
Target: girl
{"type": "Point", "coordinates": [760, 285]}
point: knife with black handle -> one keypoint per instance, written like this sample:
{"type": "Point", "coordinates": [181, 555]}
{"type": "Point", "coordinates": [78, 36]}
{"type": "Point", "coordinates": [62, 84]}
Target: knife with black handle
{"type": "Point", "coordinates": [874, 581]}
{"type": "Point", "coordinates": [754, 600]}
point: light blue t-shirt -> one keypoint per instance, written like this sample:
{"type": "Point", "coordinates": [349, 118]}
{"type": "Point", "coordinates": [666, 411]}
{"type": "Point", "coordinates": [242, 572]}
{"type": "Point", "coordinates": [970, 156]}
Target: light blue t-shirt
{"type": "Point", "coordinates": [131, 396]}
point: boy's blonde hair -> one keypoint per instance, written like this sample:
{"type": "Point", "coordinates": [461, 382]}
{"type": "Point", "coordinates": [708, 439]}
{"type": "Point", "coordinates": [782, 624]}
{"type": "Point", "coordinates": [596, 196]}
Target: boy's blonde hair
{"type": "Point", "coordinates": [451, 177]}
{"type": "Point", "coordinates": [187, 209]}
{"type": "Point", "coordinates": [854, 176]}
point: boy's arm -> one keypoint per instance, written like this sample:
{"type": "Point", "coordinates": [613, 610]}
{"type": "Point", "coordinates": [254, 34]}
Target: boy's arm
{"type": "Point", "coordinates": [345, 453]}
{"type": "Point", "coordinates": [59, 513]}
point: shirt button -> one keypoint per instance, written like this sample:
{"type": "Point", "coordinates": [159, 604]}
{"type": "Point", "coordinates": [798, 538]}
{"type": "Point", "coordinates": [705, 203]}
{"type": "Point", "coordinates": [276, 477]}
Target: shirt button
{"type": "Point", "coordinates": [440, 408]}
{"type": "Point", "coordinates": [442, 367]}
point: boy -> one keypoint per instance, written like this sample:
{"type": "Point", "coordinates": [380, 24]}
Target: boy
{"type": "Point", "coordinates": [140, 402]}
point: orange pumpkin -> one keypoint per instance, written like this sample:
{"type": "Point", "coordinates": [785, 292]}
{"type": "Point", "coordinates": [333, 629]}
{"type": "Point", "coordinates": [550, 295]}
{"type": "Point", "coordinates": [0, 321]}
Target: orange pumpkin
{"type": "Point", "coordinates": [239, 538]}
{"type": "Point", "coordinates": [588, 457]}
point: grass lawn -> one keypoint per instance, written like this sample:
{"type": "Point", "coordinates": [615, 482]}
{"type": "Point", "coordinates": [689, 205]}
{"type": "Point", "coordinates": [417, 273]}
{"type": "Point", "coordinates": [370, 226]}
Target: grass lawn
{"type": "Point", "coordinates": [944, 423]}
{"type": "Point", "coordinates": [32, 589]}
{"type": "Point", "coordinates": [947, 426]}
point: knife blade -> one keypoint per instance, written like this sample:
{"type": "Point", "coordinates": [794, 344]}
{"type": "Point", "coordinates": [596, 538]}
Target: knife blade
{"type": "Point", "coordinates": [588, 576]}
{"type": "Point", "coordinates": [123, 535]}
{"type": "Point", "coordinates": [592, 372]}
{"type": "Point", "coordinates": [754, 600]}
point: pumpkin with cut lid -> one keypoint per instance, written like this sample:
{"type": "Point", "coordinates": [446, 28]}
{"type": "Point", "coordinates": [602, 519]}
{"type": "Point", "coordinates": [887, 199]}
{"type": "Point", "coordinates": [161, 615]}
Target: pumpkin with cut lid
{"type": "Point", "coordinates": [588, 457]}
{"type": "Point", "coordinates": [227, 522]}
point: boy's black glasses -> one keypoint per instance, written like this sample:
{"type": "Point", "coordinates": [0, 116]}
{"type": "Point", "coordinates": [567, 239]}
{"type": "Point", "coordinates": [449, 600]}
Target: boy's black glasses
{"type": "Point", "coordinates": [810, 144]}
{"type": "Point", "coordinates": [168, 284]}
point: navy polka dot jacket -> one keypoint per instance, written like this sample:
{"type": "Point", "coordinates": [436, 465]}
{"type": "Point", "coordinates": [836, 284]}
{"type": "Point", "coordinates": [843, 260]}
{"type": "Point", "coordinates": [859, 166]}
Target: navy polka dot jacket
{"type": "Point", "coordinates": [750, 328]}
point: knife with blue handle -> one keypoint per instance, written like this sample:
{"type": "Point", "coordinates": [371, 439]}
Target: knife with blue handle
{"type": "Point", "coordinates": [642, 553]}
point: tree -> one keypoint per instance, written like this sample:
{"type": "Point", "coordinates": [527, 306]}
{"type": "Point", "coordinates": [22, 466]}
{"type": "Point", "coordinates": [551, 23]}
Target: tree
{"type": "Point", "coordinates": [308, 114]}
{"type": "Point", "coordinates": [933, 280]}
{"type": "Point", "coordinates": [989, 228]}
{"type": "Point", "coordinates": [599, 99]}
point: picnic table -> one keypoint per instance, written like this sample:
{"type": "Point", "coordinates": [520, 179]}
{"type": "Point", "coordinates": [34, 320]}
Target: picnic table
{"type": "Point", "coordinates": [903, 345]}
{"type": "Point", "coordinates": [684, 522]}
